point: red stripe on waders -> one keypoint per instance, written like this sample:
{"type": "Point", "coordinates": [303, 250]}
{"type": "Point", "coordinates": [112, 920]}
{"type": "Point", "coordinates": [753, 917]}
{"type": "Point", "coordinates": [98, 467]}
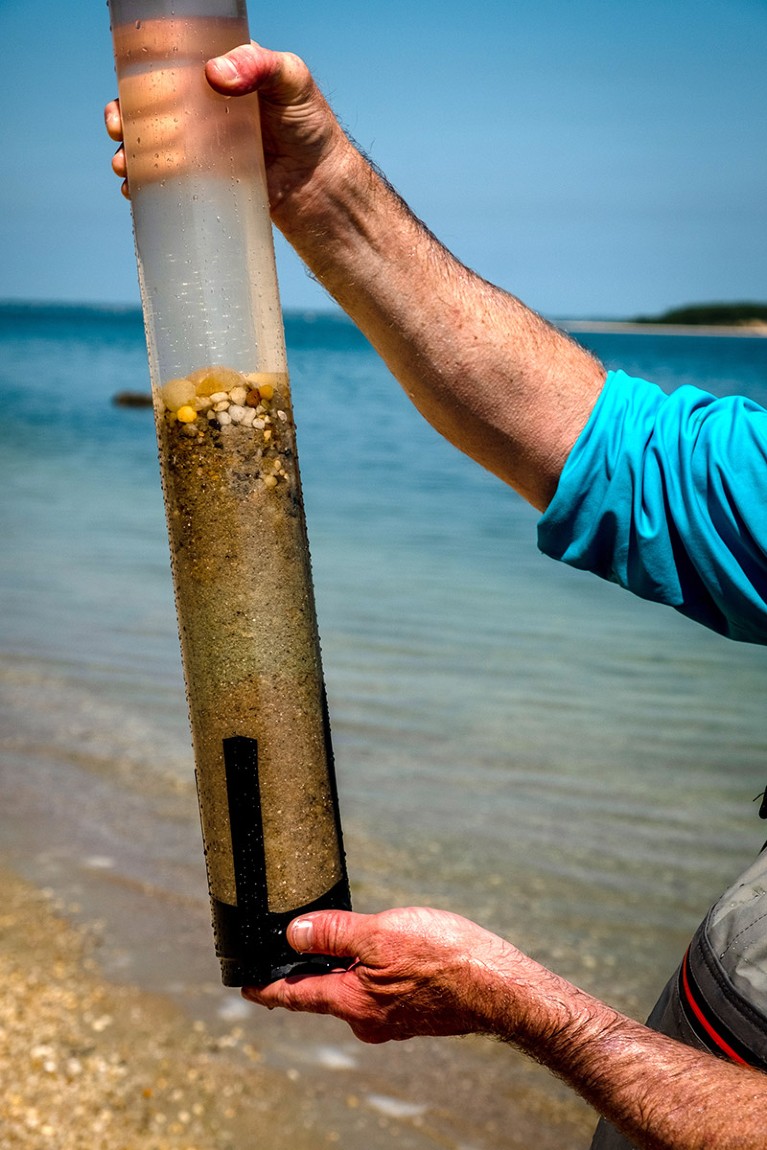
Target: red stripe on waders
{"type": "Point", "coordinates": [717, 1038]}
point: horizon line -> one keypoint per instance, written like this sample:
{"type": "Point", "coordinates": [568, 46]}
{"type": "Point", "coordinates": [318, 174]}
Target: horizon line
{"type": "Point", "coordinates": [333, 311]}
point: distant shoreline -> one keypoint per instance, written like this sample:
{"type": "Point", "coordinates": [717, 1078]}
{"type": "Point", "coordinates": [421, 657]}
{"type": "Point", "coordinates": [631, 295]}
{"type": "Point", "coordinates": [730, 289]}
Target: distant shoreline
{"type": "Point", "coordinates": [626, 326]}
{"type": "Point", "coordinates": [133, 312]}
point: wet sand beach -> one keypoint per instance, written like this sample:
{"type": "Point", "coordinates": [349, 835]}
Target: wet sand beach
{"type": "Point", "coordinates": [87, 1062]}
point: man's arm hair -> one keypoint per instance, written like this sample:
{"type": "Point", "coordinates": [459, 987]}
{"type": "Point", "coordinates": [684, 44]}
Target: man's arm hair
{"type": "Point", "coordinates": [490, 374]}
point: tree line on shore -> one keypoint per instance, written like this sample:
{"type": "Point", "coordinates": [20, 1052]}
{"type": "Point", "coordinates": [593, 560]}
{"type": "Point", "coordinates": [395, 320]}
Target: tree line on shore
{"type": "Point", "coordinates": [744, 313]}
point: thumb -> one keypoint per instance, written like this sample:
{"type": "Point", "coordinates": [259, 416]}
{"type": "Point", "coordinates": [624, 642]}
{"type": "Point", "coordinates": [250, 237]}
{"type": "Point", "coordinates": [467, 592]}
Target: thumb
{"type": "Point", "coordinates": [241, 70]}
{"type": "Point", "coordinates": [335, 932]}
{"type": "Point", "coordinates": [281, 76]}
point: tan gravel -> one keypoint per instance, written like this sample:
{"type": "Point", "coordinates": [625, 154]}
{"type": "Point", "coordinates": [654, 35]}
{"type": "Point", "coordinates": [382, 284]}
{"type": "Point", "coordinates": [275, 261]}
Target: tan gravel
{"type": "Point", "coordinates": [85, 1065]}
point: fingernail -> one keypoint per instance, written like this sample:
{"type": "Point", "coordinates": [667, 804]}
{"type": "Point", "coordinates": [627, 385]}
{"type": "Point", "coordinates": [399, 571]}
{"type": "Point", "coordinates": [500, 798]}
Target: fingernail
{"type": "Point", "coordinates": [301, 934]}
{"type": "Point", "coordinates": [226, 68]}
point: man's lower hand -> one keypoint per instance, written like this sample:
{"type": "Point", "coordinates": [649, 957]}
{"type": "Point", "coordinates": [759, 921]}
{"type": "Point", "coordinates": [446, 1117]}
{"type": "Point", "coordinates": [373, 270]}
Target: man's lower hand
{"type": "Point", "coordinates": [415, 972]}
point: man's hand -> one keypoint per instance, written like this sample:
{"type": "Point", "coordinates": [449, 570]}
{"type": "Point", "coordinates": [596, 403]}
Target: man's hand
{"type": "Point", "coordinates": [417, 972]}
{"type": "Point", "coordinates": [300, 133]}
{"type": "Point", "coordinates": [301, 136]}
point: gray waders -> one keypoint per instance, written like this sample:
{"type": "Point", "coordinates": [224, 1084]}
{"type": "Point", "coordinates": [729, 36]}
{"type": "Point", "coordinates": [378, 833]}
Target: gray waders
{"type": "Point", "coordinates": [717, 1000]}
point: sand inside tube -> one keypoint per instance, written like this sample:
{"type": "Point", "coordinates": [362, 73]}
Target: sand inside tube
{"type": "Point", "coordinates": [249, 634]}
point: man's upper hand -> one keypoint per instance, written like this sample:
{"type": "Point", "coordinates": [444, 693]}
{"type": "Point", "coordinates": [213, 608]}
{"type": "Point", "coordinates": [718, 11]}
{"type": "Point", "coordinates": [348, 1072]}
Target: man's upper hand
{"type": "Point", "coordinates": [301, 136]}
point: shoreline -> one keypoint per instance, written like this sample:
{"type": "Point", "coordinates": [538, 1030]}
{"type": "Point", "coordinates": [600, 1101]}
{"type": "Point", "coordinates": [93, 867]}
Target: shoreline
{"type": "Point", "coordinates": [626, 327]}
{"type": "Point", "coordinates": [89, 1061]}
{"type": "Point", "coordinates": [118, 856]}
{"type": "Point", "coordinates": [132, 312]}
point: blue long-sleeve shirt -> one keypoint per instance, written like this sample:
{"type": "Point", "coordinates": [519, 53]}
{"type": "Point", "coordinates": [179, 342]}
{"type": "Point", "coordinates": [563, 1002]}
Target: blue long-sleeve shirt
{"type": "Point", "coordinates": [667, 496]}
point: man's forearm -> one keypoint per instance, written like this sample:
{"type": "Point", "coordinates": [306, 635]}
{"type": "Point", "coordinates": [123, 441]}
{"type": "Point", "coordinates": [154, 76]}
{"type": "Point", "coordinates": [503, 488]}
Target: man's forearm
{"type": "Point", "coordinates": [660, 1094]}
{"type": "Point", "coordinates": [492, 376]}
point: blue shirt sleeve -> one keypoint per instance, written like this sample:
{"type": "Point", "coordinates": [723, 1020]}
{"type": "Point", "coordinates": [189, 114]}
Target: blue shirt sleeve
{"type": "Point", "coordinates": [667, 496]}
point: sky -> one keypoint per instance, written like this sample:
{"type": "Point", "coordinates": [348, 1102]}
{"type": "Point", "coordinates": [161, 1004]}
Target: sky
{"type": "Point", "coordinates": [597, 158]}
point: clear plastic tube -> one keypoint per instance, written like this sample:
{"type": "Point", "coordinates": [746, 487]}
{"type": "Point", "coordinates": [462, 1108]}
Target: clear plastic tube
{"type": "Point", "coordinates": [239, 551]}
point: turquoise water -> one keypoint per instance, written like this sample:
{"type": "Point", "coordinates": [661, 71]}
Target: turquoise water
{"type": "Point", "coordinates": [516, 741]}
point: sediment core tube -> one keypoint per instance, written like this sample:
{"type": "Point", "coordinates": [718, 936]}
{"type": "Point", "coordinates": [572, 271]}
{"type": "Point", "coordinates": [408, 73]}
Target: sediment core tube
{"type": "Point", "coordinates": [231, 484]}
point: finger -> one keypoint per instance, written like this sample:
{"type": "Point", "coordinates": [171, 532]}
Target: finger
{"type": "Point", "coordinates": [242, 70]}
{"type": "Point", "coordinates": [338, 994]}
{"type": "Point", "coordinates": [119, 166]}
{"type": "Point", "coordinates": [334, 932]}
{"type": "Point", "coordinates": [314, 993]}
{"type": "Point", "coordinates": [113, 120]}
{"type": "Point", "coordinates": [283, 77]}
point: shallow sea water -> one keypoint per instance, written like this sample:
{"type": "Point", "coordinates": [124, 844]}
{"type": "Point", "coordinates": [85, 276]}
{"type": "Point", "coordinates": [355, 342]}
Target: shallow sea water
{"type": "Point", "coordinates": [518, 742]}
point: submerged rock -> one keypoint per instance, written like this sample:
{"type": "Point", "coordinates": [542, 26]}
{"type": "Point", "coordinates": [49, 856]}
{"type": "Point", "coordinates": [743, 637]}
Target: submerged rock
{"type": "Point", "coordinates": [132, 399]}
